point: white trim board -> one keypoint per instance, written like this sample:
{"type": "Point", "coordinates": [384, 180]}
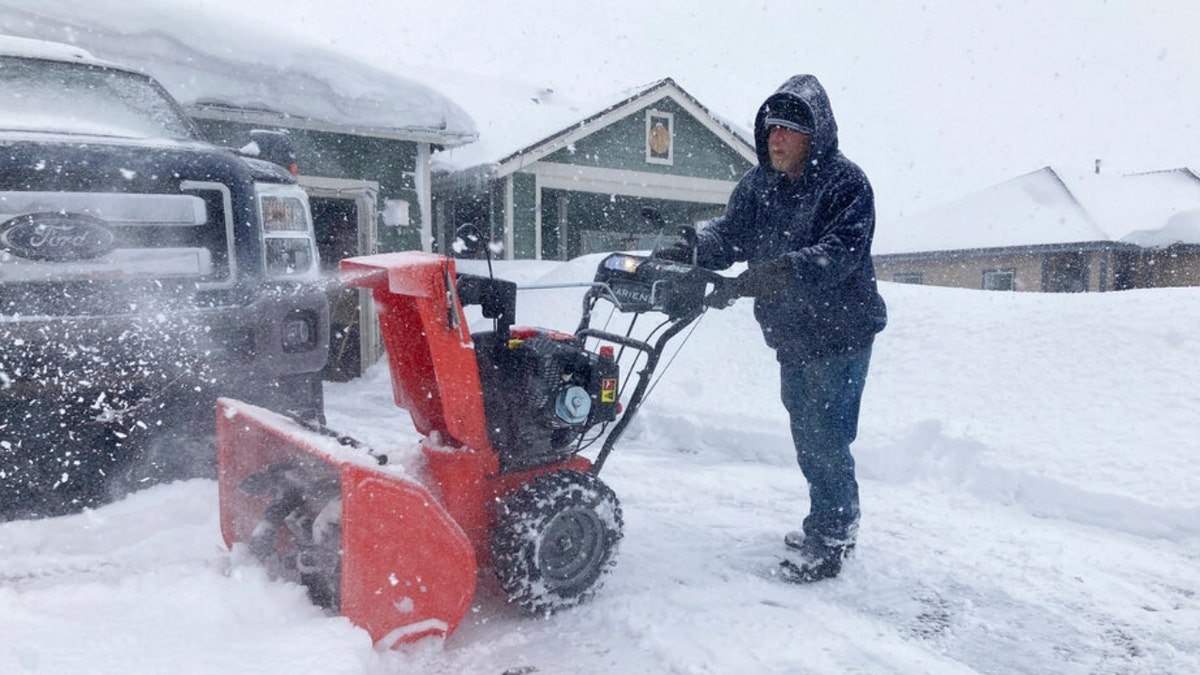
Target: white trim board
{"type": "Point", "coordinates": [632, 183]}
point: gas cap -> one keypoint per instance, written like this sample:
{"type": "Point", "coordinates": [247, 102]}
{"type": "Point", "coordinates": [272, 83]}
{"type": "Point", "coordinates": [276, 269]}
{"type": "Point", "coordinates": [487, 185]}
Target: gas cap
{"type": "Point", "coordinates": [573, 405]}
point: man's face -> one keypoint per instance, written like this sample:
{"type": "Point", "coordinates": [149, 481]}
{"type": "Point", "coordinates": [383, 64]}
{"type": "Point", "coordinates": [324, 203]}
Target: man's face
{"type": "Point", "coordinates": [788, 150]}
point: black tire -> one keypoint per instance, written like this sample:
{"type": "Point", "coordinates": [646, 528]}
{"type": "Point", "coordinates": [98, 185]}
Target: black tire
{"type": "Point", "coordinates": [55, 459]}
{"type": "Point", "coordinates": [554, 539]}
{"type": "Point", "coordinates": [301, 394]}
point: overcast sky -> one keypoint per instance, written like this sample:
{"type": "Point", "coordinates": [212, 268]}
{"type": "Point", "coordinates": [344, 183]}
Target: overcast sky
{"type": "Point", "coordinates": [935, 99]}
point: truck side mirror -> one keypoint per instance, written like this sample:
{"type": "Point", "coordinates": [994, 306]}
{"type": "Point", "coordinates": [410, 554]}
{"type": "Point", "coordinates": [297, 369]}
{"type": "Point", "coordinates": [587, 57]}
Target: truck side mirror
{"type": "Point", "coordinates": [276, 147]}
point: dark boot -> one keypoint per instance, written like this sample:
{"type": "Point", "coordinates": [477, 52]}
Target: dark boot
{"type": "Point", "coordinates": [812, 559]}
{"type": "Point", "coordinates": [795, 541]}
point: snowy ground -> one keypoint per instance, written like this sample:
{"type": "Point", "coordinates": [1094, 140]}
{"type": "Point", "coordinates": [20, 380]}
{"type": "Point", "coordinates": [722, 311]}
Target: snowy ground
{"type": "Point", "coordinates": [1028, 467]}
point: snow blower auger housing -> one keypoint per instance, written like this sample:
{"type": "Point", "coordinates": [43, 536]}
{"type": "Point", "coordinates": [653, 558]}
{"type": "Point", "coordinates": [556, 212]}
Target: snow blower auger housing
{"type": "Point", "coordinates": [503, 414]}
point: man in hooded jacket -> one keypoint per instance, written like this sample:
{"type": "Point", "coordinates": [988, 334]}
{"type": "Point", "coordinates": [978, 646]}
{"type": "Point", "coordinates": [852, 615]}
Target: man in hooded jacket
{"type": "Point", "coordinates": [803, 219]}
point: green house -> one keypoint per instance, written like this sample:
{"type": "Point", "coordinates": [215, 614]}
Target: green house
{"type": "Point", "coordinates": [587, 185]}
{"type": "Point", "coordinates": [368, 186]}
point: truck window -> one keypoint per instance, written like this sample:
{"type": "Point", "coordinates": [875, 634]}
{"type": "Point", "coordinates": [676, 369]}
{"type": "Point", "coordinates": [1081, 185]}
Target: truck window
{"type": "Point", "coordinates": [38, 95]}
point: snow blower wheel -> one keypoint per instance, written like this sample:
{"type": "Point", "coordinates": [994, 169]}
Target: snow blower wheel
{"type": "Point", "coordinates": [554, 539]}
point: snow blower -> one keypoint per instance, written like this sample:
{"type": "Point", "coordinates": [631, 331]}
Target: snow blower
{"type": "Point", "coordinates": [501, 481]}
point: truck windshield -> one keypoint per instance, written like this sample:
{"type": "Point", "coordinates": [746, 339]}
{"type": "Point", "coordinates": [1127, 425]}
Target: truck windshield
{"type": "Point", "coordinates": [40, 95]}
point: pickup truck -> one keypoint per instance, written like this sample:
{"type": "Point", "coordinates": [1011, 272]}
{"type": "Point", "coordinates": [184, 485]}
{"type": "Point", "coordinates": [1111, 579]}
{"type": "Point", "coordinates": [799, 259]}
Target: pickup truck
{"type": "Point", "coordinates": [143, 273]}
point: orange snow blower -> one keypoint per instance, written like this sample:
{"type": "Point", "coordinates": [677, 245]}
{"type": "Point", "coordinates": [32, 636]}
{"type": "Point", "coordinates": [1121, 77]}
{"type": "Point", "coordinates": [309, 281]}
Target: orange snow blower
{"type": "Point", "coordinates": [499, 481]}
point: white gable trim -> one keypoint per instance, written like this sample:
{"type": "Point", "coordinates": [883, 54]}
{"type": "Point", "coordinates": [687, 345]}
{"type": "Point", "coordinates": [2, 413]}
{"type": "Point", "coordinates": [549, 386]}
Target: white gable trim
{"type": "Point", "coordinates": [652, 96]}
{"type": "Point", "coordinates": [537, 220]}
{"type": "Point", "coordinates": [422, 184]}
{"type": "Point", "coordinates": [510, 235]}
{"type": "Point", "coordinates": [556, 176]}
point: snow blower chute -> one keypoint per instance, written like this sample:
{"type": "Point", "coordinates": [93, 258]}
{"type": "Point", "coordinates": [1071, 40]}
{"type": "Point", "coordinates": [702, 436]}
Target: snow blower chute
{"type": "Point", "coordinates": [504, 414]}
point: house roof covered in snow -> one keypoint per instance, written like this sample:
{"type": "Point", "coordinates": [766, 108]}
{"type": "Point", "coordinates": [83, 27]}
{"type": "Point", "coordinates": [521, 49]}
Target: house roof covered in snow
{"type": "Point", "coordinates": [520, 124]}
{"type": "Point", "coordinates": [216, 68]}
{"type": "Point", "coordinates": [1051, 206]}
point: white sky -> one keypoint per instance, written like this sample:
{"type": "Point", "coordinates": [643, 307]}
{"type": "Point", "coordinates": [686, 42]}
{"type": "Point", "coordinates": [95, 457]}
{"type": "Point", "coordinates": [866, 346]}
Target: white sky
{"type": "Point", "coordinates": [935, 99]}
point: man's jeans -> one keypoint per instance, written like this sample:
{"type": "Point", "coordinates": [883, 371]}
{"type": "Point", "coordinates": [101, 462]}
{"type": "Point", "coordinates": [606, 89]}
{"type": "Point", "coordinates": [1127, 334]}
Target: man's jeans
{"type": "Point", "coordinates": [823, 399]}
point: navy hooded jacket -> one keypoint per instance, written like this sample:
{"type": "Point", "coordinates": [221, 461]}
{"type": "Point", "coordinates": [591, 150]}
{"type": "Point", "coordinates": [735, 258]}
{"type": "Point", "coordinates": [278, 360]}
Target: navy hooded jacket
{"type": "Point", "coordinates": [823, 222]}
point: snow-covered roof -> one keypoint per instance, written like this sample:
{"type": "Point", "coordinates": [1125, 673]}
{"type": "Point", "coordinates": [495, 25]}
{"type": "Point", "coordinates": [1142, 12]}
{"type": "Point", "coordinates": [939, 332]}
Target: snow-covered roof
{"type": "Point", "coordinates": [1051, 206]}
{"type": "Point", "coordinates": [518, 120]}
{"type": "Point", "coordinates": [1183, 227]}
{"type": "Point", "coordinates": [214, 67]}
{"type": "Point", "coordinates": [1127, 205]}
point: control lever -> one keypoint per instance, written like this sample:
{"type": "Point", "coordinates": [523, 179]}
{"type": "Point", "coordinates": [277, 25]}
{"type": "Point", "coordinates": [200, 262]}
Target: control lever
{"type": "Point", "coordinates": [693, 240]}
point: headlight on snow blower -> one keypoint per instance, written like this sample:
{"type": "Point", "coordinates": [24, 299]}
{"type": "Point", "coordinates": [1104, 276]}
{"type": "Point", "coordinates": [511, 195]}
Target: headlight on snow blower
{"type": "Point", "coordinates": [640, 284]}
{"type": "Point", "coordinates": [620, 262]}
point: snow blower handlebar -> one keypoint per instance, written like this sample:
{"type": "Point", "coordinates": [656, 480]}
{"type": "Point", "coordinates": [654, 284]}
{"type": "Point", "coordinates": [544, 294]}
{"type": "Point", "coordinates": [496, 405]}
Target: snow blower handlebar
{"type": "Point", "coordinates": [637, 284]}
{"type": "Point", "coordinates": [653, 354]}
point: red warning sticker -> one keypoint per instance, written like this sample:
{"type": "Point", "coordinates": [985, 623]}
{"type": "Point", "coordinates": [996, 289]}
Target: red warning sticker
{"type": "Point", "coordinates": [608, 390]}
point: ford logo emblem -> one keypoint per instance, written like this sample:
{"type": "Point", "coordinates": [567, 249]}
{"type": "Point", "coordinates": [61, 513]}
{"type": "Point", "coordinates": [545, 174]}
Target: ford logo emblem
{"type": "Point", "coordinates": [57, 237]}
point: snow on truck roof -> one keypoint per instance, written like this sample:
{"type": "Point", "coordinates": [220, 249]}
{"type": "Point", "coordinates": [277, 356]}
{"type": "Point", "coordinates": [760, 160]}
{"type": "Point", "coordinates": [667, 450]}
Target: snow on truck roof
{"type": "Point", "coordinates": [44, 49]}
{"type": "Point", "coordinates": [216, 67]}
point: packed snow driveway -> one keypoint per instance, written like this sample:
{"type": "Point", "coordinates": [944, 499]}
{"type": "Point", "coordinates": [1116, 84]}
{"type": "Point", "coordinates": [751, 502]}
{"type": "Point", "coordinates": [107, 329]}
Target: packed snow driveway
{"type": "Point", "coordinates": [1007, 527]}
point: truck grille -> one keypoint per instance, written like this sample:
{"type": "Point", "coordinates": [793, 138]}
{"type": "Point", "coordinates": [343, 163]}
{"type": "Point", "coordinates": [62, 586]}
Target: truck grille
{"type": "Point", "coordinates": [88, 254]}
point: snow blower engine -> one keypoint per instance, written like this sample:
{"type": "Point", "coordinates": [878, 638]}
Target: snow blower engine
{"type": "Point", "coordinates": [499, 481]}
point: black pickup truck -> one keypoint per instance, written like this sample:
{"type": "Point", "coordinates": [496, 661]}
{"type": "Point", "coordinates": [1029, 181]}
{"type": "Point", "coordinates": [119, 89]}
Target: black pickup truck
{"type": "Point", "coordinates": [143, 273]}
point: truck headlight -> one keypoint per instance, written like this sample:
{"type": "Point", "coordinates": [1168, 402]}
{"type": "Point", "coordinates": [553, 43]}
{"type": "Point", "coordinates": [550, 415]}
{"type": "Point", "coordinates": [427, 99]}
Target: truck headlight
{"type": "Point", "coordinates": [289, 257]}
{"type": "Point", "coordinates": [289, 246]}
{"type": "Point", "coordinates": [283, 214]}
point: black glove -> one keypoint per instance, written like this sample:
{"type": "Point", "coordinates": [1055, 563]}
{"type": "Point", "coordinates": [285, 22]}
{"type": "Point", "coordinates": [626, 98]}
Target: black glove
{"type": "Point", "coordinates": [680, 253]}
{"type": "Point", "coordinates": [722, 296]}
{"type": "Point", "coordinates": [766, 280]}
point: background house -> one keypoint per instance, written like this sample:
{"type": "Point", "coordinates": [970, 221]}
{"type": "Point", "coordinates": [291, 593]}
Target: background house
{"type": "Point", "coordinates": [551, 180]}
{"type": "Point", "coordinates": [1054, 231]}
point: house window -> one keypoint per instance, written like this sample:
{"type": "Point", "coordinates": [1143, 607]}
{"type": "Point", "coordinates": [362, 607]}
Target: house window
{"type": "Point", "coordinates": [1065, 273]}
{"type": "Point", "coordinates": [660, 137]}
{"type": "Point", "coordinates": [908, 278]}
{"type": "Point", "coordinates": [1000, 280]}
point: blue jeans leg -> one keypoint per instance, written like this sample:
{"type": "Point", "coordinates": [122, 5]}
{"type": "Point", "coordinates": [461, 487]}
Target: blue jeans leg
{"type": "Point", "coordinates": [823, 397]}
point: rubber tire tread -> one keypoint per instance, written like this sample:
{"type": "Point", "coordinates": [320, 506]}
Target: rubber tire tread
{"type": "Point", "coordinates": [522, 520]}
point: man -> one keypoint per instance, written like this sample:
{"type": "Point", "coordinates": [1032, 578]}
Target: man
{"type": "Point", "coordinates": [803, 219]}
